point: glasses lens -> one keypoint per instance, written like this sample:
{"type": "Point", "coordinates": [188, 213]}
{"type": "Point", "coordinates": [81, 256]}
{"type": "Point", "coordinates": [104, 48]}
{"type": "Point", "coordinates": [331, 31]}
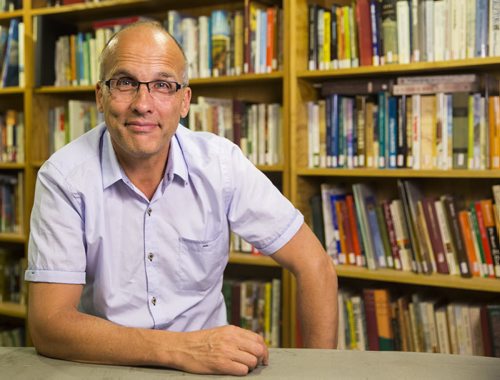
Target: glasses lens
{"type": "Point", "coordinates": [124, 89]}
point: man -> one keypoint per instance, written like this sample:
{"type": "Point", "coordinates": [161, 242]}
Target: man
{"type": "Point", "coordinates": [130, 230]}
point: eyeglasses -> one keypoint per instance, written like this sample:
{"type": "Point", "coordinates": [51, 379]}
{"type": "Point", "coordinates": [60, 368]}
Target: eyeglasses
{"type": "Point", "coordinates": [125, 89]}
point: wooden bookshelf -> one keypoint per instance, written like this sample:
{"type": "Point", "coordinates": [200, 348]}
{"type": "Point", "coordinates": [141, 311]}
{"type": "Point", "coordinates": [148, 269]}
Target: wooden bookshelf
{"type": "Point", "coordinates": [304, 85]}
{"type": "Point", "coordinates": [432, 280]}
{"type": "Point", "coordinates": [11, 309]}
{"type": "Point", "coordinates": [249, 259]}
{"type": "Point", "coordinates": [293, 86]}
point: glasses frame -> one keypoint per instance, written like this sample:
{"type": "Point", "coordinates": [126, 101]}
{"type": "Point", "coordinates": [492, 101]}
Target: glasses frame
{"type": "Point", "coordinates": [178, 85]}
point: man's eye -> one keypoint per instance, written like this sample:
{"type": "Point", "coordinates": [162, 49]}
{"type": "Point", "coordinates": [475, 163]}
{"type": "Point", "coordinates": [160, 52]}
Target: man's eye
{"type": "Point", "coordinates": [162, 85]}
{"type": "Point", "coordinates": [124, 82]}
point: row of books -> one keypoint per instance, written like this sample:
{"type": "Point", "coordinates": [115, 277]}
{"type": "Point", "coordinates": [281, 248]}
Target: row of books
{"type": "Point", "coordinates": [11, 136]}
{"type": "Point", "coordinates": [432, 122]}
{"type": "Point", "coordinates": [10, 5]}
{"type": "Point", "coordinates": [12, 285]}
{"type": "Point", "coordinates": [68, 122]}
{"type": "Point", "coordinates": [12, 54]}
{"type": "Point", "coordinates": [11, 203]}
{"type": "Point", "coordinates": [230, 43]}
{"type": "Point", "coordinates": [379, 32]}
{"type": "Point", "coordinates": [77, 54]}
{"type": "Point", "coordinates": [256, 128]}
{"type": "Point", "coordinates": [374, 319]}
{"type": "Point", "coordinates": [415, 232]}
{"type": "Point", "coordinates": [255, 305]}
{"type": "Point", "coordinates": [12, 337]}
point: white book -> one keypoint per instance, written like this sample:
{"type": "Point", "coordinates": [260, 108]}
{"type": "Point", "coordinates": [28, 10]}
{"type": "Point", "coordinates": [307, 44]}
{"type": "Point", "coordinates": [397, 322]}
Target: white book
{"type": "Point", "coordinates": [476, 330]}
{"type": "Point", "coordinates": [429, 29]}
{"type": "Point", "coordinates": [458, 30]}
{"type": "Point", "coordinates": [452, 328]}
{"type": "Point", "coordinates": [442, 330]}
{"type": "Point", "coordinates": [189, 30]}
{"type": "Point", "coordinates": [275, 312]}
{"type": "Point", "coordinates": [494, 28]}
{"type": "Point", "coordinates": [20, 28]}
{"type": "Point", "coordinates": [261, 134]}
{"type": "Point", "coordinates": [203, 44]}
{"type": "Point", "coordinates": [446, 236]}
{"type": "Point", "coordinates": [403, 28]}
{"type": "Point", "coordinates": [439, 30]}
{"type": "Point", "coordinates": [471, 28]}
{"type": "Point", "coordinates": [359, 320]}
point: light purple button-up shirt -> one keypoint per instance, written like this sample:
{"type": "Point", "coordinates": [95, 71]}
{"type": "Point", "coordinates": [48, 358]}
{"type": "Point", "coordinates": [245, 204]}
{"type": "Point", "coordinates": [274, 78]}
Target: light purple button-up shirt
{"type": "Point", "coordinates": [159, 263]}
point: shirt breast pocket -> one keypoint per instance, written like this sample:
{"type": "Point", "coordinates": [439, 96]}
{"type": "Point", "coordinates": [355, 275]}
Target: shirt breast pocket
{"type": "Point", "coordinates": [201, 262]}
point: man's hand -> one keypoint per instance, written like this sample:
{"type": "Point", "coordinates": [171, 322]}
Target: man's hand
{"type": "Point", "coordinates": [226, 350]}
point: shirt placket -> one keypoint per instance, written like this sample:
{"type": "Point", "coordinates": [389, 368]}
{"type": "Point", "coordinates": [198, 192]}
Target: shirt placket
{"type": "Point", "coordinates": [151, 258]}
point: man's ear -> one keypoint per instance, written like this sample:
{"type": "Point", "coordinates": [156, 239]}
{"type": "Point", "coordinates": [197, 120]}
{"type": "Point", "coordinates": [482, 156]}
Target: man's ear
{"type": "Point", "coordinates": [186, 101]}
{"type": "Point", "coordinates": [99, 96]}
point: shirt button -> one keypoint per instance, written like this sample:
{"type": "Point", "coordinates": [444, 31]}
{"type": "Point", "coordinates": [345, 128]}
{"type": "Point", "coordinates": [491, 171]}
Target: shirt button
{"type": "Point", "coordinates": [150, 256]}
{"type": "Point", "coordinates": [153, 301]}
{"type": "Point", "coordinates": [149, 211]}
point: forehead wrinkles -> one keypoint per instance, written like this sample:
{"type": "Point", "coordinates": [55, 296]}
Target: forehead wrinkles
{"type": "Point", "coordinates": [132, 63]}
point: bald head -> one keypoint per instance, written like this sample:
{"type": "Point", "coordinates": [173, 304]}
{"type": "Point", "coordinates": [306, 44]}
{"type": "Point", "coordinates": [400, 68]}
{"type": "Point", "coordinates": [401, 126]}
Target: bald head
{"type": "Point", "coordinates": [156, 32]}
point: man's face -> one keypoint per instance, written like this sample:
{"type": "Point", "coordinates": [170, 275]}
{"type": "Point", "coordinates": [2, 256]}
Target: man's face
{"type": "Point", "coordinates": [141, 127]}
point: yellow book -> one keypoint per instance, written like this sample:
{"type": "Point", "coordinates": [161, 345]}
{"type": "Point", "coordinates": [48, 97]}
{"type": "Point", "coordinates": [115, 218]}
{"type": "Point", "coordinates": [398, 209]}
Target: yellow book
{"type": "Point", "coordinates": [267, 312]}
{"type": "Point", "coordinates": [327, 36]}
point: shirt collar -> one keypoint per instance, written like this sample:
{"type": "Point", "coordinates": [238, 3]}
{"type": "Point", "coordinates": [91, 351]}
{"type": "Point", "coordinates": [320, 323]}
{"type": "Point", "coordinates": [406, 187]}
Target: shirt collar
{"type": "Point", "coordinates": [176, 165]}
{"type": "Point", "coordinates": [111, 171]}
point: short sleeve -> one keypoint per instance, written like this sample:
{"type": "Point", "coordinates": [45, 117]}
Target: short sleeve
{"type": "Point", "coordinates": [56, 251]}
{"type": "Point", "coordinates": [257, 211]}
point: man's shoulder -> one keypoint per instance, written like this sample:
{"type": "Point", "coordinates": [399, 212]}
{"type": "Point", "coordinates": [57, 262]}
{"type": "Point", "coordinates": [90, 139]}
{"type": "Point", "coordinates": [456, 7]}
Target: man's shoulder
{"type": "Point", "coordinates": [83, 152]}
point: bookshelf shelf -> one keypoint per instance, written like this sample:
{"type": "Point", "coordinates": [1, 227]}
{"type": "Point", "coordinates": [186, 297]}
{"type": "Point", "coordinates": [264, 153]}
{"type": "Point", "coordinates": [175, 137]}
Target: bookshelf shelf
{"type": "Point", "coordinates": [271, 168]}
{"type": "Point", "coordinates": [11, 309]}
{"type": "Point", "coordinates": [233, 81]}
{"type": "Point", "coordinates": [11, 166]}
{"type": "Point", "coordinates": [433, 280]}
{"type": "Point", "coordinates": [12, 14]}
{"type": "Point", "coordinates": [237, 80]}
{"type": "Point", "coordinates": [249, 259]}
{"type": "Point", "coordinates": [477, 64]}
{"type": "Point", "coordinates": [11, 90]}
{"type": "Point", "coordinates": [399, 173]}
{"type": "Point", "coordinates": [9, 237]}
{"type": "Point", "coordinates": [63, 90]}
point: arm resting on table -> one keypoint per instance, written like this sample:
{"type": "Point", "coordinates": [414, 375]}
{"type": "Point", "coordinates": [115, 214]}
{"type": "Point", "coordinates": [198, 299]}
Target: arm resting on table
{"type": "Point", "coordinates": [59, 330]}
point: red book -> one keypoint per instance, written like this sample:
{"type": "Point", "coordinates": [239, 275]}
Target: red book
{"type": "Point", "coordinates": [271, 14]}
{"type": "Point", "coordinates": [485, 332]}
{"type": "Point", "coordinates": [484, 239]}
{"type": "Point", "coordinates": [389, 222]}
{"type": "Point", "coordinates": [491, 230]}
{"type": "Point", "coordinates": [371, 319]}
{"type": "Point", "coordinates": [363, 22]}
{"type": "Point", "coordinates": [354, 229]}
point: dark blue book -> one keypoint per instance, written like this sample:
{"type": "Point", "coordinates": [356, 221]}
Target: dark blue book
{"type": "Point", "coordinates": [10, 67]}
{"type": "Point", "coordinates": [392, 131]}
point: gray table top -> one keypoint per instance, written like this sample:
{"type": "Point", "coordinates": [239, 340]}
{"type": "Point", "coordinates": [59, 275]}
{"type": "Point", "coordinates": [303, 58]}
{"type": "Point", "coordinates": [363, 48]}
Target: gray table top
{"type": "Point", "coordinates": [24, 363]}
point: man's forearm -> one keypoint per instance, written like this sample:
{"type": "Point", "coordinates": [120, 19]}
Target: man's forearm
{"type": "Point", "coordinates": [317, 302]}
{"type": "Point", "coordinates": [75, 336]}
{"type": "Point", "coordinates": [72, 335]}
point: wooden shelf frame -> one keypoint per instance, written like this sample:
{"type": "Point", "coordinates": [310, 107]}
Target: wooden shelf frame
{"type": "Point", "coordinates": [11, 309]}
{"type": "Point", "coordinates": [433, 280]}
